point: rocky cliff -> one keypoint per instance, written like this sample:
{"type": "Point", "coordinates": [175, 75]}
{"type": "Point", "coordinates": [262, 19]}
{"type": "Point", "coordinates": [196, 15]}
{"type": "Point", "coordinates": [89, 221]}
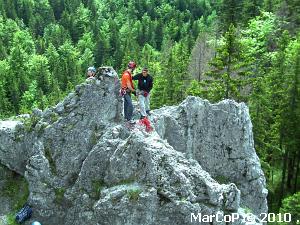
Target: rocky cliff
{"type": "Point", "coordinates": [219, 136]}
{"type": "Point", "coordinates": [83, 166]}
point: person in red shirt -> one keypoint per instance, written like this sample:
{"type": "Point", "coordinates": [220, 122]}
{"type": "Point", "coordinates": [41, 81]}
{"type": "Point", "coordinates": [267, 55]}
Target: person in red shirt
{"type": "Point", "coordinates": [127, 89]}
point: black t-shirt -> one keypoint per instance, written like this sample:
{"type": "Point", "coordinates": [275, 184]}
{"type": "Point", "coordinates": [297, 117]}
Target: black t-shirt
{"type": "Point", "coordinates": [144, 83]}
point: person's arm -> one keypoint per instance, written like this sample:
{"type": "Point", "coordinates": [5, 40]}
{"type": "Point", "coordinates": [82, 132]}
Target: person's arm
{"type": "Point", "coordinates": [151, 83]}
{"type": "Point", "coordinates": [136, 77]}
{"type": "Point", "coordinates": [129, 86]}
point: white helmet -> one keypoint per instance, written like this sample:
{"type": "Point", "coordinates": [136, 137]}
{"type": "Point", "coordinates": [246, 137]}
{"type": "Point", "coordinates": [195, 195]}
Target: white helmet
{"type": "Point", "coordinates": [92, 69]}
{"type": "Point", "coordinates": [36, 223]}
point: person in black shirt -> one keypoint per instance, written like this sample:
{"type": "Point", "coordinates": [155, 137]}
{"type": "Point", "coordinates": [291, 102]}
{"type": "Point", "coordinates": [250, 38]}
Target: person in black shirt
{"type": "Point", "coordinates": [145, 84]}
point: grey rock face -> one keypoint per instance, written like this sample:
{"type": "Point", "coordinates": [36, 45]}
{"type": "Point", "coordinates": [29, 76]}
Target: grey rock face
{"type": "Point", "coordinates": [141, 179]}
{"type": "Point", "coordinates": [84, 166]}
{"type": "Point", "coordinates": [219, 136]}
{"type": "Point", "coordinates": [15, 145]}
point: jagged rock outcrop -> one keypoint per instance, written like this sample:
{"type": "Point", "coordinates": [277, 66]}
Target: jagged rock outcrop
{"type": "Point", "coordinates": [219, 136]}
{"type": "Point", "coordinates": [83, 166]}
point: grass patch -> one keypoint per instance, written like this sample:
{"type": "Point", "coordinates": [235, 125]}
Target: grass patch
{"type": "Point", "coordinates": [134, 194]}
{"type": "Point", "coordinates": [51, 161]}
{"type": "Point", "coordinates": [93, 139]}
{"type": "Point", "coordinates": [11, 219]}
{"type": "Point", "coordinates": [18, 137]}
{"type": "Point", "coordinates": [54, 117]}
{"type": "Point", "coordinates": [129, 180]}
{"type": "Point", "coordinates": [247, 210]}
{"type": "Point", "coordinates": [16, 188]}
{"type": "Point", "coordinates": [69, 127]}
{"type": "Point", "coordinates": [59, 195]}
{"type": "Point", "coordinates": [222, 179]}
{"type": "Point", "coordinates": [97, 186]}
{"type": "Point", "coordinates": [41, 128]}
{"type": "Point", "coordinates": [30, 123]}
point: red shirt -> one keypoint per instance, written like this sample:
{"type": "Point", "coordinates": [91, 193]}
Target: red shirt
{"type": "Point", "coordinates": [126, 76]}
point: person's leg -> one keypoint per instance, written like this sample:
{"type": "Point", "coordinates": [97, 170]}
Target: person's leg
{"type": "Point", "coordinates": [129, 107]}
{"type": "Point", "coordinates": [130, 110]}
{"type": "Point", "coordinates": [142, 105]}
{"type": "Point", "coordinates": [125, 108]}
{"type": "Point", "coordinates": [147, 102]}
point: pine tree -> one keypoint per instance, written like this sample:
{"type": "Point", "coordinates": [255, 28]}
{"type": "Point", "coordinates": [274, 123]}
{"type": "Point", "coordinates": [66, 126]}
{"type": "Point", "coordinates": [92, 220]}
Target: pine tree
{"type": "Point", "coordinates": [10, 9]}
{"type": "Point", "coordinates": [56, 35]}
{"type": "Point", "coordinates": [86, 46]}
{"type": "Point", "coordinates": [43, 15]}
{"type": "Point", "coordinates": [58, 8]}
{"type": "Point", "coordinates": [291, 119]}
{"type": "Point", "coordinates": [39, 71]}
{"type": "Point", "coordinates": [230, 14]}
{"type": "Point", "coordinates": [69, 68]}
{"type": "Point", "coordinates": [5, 104]}
{"type": "Point", "coordinates": [175, 74]}
{"type": "Point", "coordinates": [53, 61]}
{"type": "Point", "coordinates": [230, 67]}
{"type": "Point", "coordinates": [8, 29]}
{"type": "Point", "coordinates": [251, 9]}
{"type": "Point", "coordinates": [29, 99]}
{"type": "Point", "coordinates": [24, 10]}
{"type": "Point", "coordinates": [81, 22]}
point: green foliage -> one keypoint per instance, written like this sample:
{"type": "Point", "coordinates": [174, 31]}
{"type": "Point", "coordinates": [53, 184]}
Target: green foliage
{"type": "Point", "coordinates": [97, 186]}
{"type": "Point", "coordinates": [51, 161]}
{"type": "Point", "coordinates": [194, 89]}
{"type": "Point", "coordinates": [172, 80]}
{"type": "Point", "coordinates": [55, 35]}
{"type": "Point", "coordinates": [59, 195]}
{"type": "Point", "coordinates": [30, 123]}
{"type": "Point", "coordinates": [6, 106]}
{"type": "Point", "coordinates": [222, 179]}
{"type": "Point", "coordinates": [16, 188]}
{"type": "Point", "coordinates": [230, 13]}
{"type": "Point", "coordinates": [134, 194]}
{"type": "Point", "coordinates": [56, 41]}
{"type": "Point", "coordinates": [291, 205]}
{"type": "Point", "coordinates": [11, 219]}
{"type": "Point", "coordinates": [230, 68]}
{"type": "Point", "coordinates": [247, 210]}
{"type": "Point", "coordinates": [29, 98]}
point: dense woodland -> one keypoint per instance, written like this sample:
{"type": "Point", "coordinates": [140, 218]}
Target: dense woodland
{"type": "Point", "coordinates": [244, 50]}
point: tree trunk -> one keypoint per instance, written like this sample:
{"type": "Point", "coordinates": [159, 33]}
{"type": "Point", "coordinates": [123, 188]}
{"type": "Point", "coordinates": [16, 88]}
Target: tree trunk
{"type": "Point", "coordinates": [291, 163]}
{"type": "Point", "coordinates": [285, 158]}
{"type": "Point", "coordinates": [297, 172]}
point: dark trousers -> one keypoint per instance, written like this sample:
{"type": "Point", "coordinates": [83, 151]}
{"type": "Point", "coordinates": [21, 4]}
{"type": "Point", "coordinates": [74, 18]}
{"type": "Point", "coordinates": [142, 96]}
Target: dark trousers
{"type": "Point", "coordinates": [128, 107]}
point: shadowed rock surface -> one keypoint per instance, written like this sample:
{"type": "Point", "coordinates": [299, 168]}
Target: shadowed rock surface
{"type": "Point", "coordinates": [83, 166]}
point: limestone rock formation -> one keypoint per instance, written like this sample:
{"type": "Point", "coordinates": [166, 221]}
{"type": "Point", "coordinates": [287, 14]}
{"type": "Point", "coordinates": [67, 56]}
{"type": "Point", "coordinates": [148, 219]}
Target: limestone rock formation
{"type": "Point", "coordinates": [219, 136]}
{"type": "Point", "coordinates": [83, 166]}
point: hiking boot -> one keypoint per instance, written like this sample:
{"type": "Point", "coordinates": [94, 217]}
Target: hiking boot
{"type": "Point", "coordinates": [148, 112]}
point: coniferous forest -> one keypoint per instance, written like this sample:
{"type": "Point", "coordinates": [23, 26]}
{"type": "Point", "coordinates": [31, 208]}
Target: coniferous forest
{"type": "Point", "coordinates": [246, 50]}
